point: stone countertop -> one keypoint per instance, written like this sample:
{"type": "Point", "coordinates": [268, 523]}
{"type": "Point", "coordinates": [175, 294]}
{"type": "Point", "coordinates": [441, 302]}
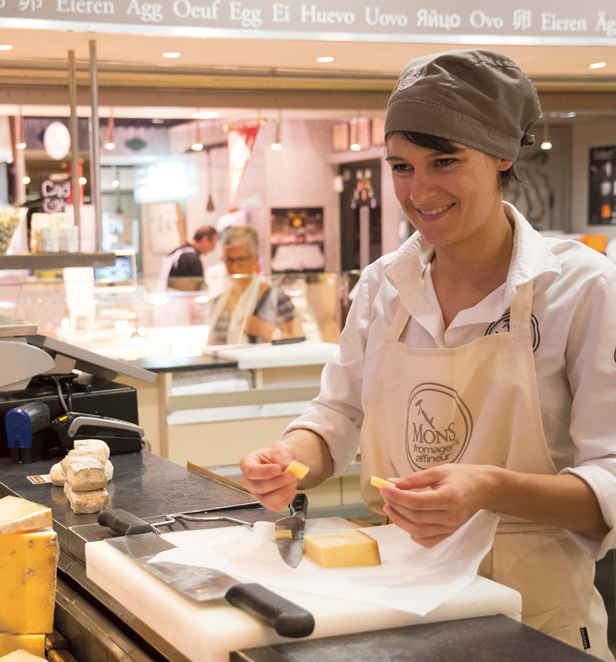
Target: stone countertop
{"type": "Point", "coordinates": [485, 639]}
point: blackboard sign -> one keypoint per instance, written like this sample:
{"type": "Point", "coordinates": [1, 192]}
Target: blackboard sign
{"type": "Point", "coordinates": [602, 186]}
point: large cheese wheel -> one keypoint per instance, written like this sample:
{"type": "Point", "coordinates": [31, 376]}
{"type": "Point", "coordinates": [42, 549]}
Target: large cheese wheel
{"type": "Point", "coordinates": [32, 643]}
{"type": "Point", "coordinates": [21, 656]}
{"type": "Point", "coordinates": [28, 586]}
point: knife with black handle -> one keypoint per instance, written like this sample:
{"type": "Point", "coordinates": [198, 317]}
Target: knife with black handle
{"type": "Point", "coordinates": [141, 542]}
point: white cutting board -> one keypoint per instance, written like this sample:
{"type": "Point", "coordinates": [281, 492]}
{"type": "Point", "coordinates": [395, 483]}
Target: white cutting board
{"type": "Point", "coordinates": [208, 632]}
{"type": "Point", "coordinates": [265, 355]}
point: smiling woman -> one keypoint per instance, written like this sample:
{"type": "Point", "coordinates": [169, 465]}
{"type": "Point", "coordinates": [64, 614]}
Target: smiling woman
{"type": "Point", "coordinates": [463, 419]}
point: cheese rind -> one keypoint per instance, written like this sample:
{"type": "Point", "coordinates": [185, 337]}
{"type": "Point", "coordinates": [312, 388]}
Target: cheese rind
{"type": "Point", "coordinates": [342, 549]}
{"type": "Point", "coordinates": [28, 588]}
{"type": "Point", "coordinates": [298, 469]}
{"type": "Point", "coordinates": [20, 515]}
{"type": "Point", "coordinates": [57, 475]}
{"type": "Point", "coordinates": [380, 482]}
{"type": "Point", "coordinates": [108, 470]}
{"type": "Point", "coordinates": [31, 643]}
{"type": "Point", "coordinates": [84, 474]}
{"type": "Point", "coordinates": [97, 444]}
{"type": "Point", "coordinates": [86, 502]}
{"type": "Point", "coordinates": [97, 453]}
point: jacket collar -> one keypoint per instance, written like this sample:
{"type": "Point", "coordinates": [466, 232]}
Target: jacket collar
{"type": "Point", "coordinates": [530, 258]}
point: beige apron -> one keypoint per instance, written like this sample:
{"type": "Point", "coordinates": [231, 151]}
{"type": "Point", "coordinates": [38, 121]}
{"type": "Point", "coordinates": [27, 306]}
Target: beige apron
{"type": "Point", "coordinates": [479, 404]}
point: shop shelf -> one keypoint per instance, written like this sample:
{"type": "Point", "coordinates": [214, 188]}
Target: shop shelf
{"type": "Point", "coordinates": [56, 260]}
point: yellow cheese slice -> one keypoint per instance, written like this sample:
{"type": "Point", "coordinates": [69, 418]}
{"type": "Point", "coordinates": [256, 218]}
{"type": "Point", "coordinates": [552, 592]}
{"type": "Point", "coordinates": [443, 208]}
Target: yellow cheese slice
{"type": "Point", "coordinates": [21, 656]}
{"type": "Point", "coordinates": [28, 585]}
{"type": "Point", "coordinates": [284, 533]}
{"type": "Point", "coordinates": [20, 515]}
{"type": "Point", "coordinates": [380, 482]}
{"type": "Point", "coordinates": [342, 549]}
{"type": "Point", "coordinates": [298, 469]}
{"type": "Point", "coordinates": [31, 643]}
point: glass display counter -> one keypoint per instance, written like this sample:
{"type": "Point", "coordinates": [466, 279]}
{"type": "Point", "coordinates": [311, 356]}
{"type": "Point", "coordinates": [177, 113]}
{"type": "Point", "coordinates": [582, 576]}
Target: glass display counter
{"type": "Point", "coordinates": [212, 401]}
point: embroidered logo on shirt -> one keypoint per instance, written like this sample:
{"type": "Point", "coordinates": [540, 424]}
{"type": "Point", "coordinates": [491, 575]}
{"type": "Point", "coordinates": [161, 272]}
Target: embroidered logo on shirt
{"type": "Point", "coordinates": [585, 639]}
{"type": "Point", "coordinates": [411, 77]}
{"type": "Point", "coordinates": [502, 326]}
{"type": "Point", "coordinates": [439, 426]}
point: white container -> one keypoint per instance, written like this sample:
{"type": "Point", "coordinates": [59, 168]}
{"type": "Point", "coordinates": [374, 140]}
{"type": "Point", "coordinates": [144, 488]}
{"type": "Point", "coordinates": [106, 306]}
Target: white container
{"type": "Point", "coordinates": [69, 239]}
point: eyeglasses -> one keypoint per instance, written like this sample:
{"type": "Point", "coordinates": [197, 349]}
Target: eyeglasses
{"type": "Point", "coordinates": [240, 261]}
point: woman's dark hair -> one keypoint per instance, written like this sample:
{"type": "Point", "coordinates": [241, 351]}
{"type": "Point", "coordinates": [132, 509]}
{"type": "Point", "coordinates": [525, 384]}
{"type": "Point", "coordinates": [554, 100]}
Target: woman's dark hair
{"type": "Point", "coordinates": [445, 146]}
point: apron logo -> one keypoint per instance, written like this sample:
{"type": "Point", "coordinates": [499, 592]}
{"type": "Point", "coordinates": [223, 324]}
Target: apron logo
{"type": "Point", "coordinates": [502, 326]}
{"type": "Point", "coordinates": [411, 77]}
{"type": "Point", "coordinates": [439, 426]}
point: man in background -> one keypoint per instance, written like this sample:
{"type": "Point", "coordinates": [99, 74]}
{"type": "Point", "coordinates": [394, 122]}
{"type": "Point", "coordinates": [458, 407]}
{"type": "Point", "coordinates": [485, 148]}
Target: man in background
{"type": "Point", "coordinates": [183, 269]}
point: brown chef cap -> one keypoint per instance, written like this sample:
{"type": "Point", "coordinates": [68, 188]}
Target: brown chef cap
{"type": "Point", "coordinates": [478, 98]}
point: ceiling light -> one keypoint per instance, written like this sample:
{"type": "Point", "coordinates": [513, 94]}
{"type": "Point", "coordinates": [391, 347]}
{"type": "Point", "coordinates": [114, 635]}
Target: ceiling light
{"type": "Point", "coordinates": [327, 58]}
{"type": "Point", "coordinates": [546, 143]}
{"type": "Point", "coordinates": [277, 145]}
{"type": "Point", "coordinates": [597, 65]}
{"type": "Point", "coordinates": [25, 180]}
{"type": "Point", "coordinates": [115, 183]}
{"type": "Point", "coordinates": [171, 55]}
{"type": "Point", "coordinates": [202, 299]}
{"type": "Point", "coordinates": [110, 128]}
{"type": "Point", "coordinates": [355, 146]}
{"type": "Point", "coordinates": [206, 115]}
{"type": "Point", "coordinates": [6, 47]}
{"type": "Point", "coordinates": [20, 140]}
{"type": "Point", "coordinates": [83, 181]}
{"type": "Point", "coordinates": [197, 146]}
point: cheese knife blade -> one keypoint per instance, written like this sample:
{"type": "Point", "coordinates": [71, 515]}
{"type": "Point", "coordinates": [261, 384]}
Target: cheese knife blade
{"type": "Point", "coordinates": [290, 531]}
{"type": "Point", "coordinates": [204, 584]}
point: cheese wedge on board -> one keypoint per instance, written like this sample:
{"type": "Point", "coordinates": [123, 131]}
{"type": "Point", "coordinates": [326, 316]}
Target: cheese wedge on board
{"type": "Point", "coordinates": [342, 549]}
{"type": "Point", "coordinates": [28, 587]}
{"type": "Point", "coordinates": [32, 643]}
{"type": "Point", "coordinates": [20, 515]}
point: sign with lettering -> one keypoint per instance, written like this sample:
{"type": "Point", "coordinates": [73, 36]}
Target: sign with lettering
{"type": "Point", "coordinates": [450, 21]}
{"type": "Point", "coordinates": [240, 142]}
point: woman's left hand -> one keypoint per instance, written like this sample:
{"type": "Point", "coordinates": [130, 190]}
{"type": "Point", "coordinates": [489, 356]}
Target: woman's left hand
{"type": "Point", "coordinates": [257, 327]}
{"type": "Point", "coordinates": [458, 491]}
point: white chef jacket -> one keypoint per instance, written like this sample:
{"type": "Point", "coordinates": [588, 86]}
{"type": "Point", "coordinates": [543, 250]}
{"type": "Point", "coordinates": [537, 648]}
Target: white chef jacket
{"type": "Point", "coordinates": [574, 341]}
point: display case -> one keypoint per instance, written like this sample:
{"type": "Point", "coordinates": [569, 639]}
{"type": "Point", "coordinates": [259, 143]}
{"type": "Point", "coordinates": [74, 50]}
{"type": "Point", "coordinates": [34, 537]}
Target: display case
{"type": "Point", "coordinates": [211, 403]}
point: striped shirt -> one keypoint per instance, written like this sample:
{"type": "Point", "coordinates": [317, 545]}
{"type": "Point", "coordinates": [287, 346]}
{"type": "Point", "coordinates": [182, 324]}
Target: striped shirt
{"type": "Point", "coordinates": [274, 307]}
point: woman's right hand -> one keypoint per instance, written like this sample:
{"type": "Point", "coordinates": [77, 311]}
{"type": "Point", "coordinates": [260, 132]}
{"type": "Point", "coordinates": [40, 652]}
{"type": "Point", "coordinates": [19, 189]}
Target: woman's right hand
{"type": "Point", "coordinates": [264, 475]}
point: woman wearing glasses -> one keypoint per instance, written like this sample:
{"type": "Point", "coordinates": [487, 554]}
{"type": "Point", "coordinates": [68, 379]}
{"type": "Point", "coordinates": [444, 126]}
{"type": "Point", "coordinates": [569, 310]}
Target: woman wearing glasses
{"type": "Point", "coordinates": [249, 311]}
